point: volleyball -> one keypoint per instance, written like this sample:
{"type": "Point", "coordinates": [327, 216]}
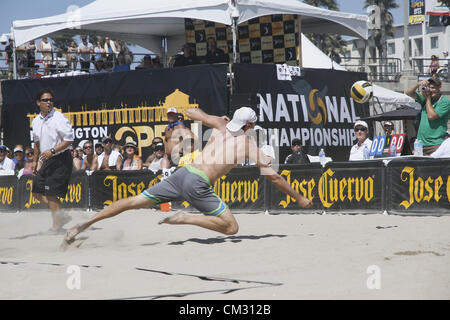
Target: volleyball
{"type": "Point", "coordinates": [361, 91]}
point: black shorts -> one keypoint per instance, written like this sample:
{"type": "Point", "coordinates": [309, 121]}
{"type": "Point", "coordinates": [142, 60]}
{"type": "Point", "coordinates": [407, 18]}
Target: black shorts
{"type": "Point", "coordinates": [53, 178]}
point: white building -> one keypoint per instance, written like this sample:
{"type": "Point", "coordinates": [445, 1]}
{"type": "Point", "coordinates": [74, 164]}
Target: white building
{"type": "Point", "coordinates": [424, 41]}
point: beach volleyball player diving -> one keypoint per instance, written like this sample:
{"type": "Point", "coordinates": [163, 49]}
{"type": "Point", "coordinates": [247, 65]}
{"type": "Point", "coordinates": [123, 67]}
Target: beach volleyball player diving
{"type": "Point", "coordinates": [227, 146]}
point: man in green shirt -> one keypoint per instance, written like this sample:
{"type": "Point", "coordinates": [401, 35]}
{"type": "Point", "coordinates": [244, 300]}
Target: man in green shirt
{"type": "Point", "coordinates": [434, 115]}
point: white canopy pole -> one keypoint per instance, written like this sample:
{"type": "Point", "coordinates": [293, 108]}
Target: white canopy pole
{"type": "Point", "coordinates": [234, 13]}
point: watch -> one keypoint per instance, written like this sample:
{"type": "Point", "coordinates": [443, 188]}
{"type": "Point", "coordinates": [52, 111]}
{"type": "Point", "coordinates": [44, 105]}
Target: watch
{"type": "Point", "coordinates": [53, 150]}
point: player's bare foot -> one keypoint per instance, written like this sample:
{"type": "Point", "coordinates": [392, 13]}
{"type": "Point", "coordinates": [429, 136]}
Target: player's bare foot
{"type": "Point", "coordinates": [72, 232]}
{"type": "Point", "coordinates": [177, 218]}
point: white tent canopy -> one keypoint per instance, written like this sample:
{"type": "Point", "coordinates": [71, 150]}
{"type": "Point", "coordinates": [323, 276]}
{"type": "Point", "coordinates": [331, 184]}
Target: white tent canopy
{"type": "Point", "coordinates": [387, 96]}
{"type": "Point", "coordinates": [313, 57]}
{"type": "Point", "coordinates": [146, 23]}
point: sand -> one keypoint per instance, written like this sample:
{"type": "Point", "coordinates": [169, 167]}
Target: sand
{"type": "Point", "coordinates": [287, 256]}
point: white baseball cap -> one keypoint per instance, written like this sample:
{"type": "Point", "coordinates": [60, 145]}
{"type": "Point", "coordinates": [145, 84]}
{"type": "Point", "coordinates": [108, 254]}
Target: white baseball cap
{"type": "Point", "coordinates": [18, 149]}
{"type": "Point", "coordinates": [361, 123]}
{"type": "Point", "coordinates": [240, 118]}
{"type": "Point", "coordinates": [172, 110]}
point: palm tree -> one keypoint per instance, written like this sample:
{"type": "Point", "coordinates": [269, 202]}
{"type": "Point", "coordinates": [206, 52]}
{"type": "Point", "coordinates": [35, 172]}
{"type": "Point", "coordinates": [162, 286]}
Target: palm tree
{"type": "Point", "coordinates": [331, 44]}
{"type": "Point", "coordinates": [387, 21]}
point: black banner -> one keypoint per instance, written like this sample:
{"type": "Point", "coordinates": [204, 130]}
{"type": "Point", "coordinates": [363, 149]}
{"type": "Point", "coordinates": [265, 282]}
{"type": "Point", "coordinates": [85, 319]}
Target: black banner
{"type": "Point", "coordinates": [121, 104]}
{"type": "Point", "coordinates": [110, 186]}
{"type": "Point", "coordinates": [315, 107]}
{"type": "Point", "coordinates": [353, 187]}
{"type": "Point", "coordinates": [302, 178]}
{"type": "Point", "coordinates": [77, 195]}
{"type": "Point", "coordinates": [9, 193]}
{"type": "Point", "coordinates": [420, 187]}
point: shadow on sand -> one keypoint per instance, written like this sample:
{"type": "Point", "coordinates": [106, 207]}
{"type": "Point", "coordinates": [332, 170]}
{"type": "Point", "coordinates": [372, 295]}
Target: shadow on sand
{"type": "Point", "coordinates": [234, 239]}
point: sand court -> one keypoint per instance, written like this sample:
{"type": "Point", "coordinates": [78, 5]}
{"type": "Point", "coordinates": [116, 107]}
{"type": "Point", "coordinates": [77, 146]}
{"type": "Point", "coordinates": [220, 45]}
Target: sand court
{"type": "Point", "coordinates": [287, 256]}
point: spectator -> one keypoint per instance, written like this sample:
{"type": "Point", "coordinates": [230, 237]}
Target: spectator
{"type": "Point", "coordinates": [156, 63]}
{"type": "Point", "coordinates": [85, 49]}
{"type": "Point", "coordinates": [362, 135]}
{"type": "Point", "coordinates": [109, 159]}
{"type": "Point", "coordinates": [434, 115]}
{"type": "Point", "coordinates": [28, 167]}
{"type": "Point", "coordinates": [297, 156]}
{"type": "Point", "coordinates": [72, 55]}
{"type": "Point", "coordinates": [10, 58]}
{"type": "Point", "coordinates": [389, 128]}
{"type": "Point", "coordinates": [79, 154]}
{"type": "Point", "coordinates": [146, 63]}
{"type": "Point", "coordinates": [19, 158]}
{"type": "Point", "coordinates": [110, 52]}
{"type": "Point", "coordinates": [121, 64]}
{"type": "Point", "coordinates": [434, 65]}
{"type": "Point", "coordinates": [99, 148]}
{"type": "Point", "coordinates": [31, 57]}
{"type": "Point", "coordinates": [61, 62]}
{"type": "Point", "coordinates": [185, 59]}
{"type": "Point", "coordinates": [214, 54]}
{"type": "Point", "coordinates": [131, 160]}
{"type": "Point", "coordinates": [160, 160]}
{"type": "Point", "coordinates": [90, 161]}
{"type": "Point", "coordinates": [75, 160]}
{"type": "Point", "coordinates": [47, 55]}
{"type": "Point", "coordinates": [6, 163]}
{"type": "Point", "coordinates": [99, 51]}
{"type": "Point", "coordinates": [99, 67]}
{"type": "Point", "coordinates": [152, 154]}
{"type": "Point", "coordinates": [22, 62]}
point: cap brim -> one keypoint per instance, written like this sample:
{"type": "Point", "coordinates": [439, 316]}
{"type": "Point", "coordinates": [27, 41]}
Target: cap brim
{"type": "Point", "coordinates": [233, 126]}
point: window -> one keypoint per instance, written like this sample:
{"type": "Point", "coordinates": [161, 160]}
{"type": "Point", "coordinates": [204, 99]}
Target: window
{"type": "Point", "coordinates": [434, 42]}
{"type": "Point", "coordinates": [391, 48]}
{"type": "Point", "coordinates": [347, 55]}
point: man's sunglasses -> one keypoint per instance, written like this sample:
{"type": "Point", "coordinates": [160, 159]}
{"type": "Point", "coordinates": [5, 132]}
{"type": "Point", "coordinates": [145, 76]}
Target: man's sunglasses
{"type": "Point", "coordinates": [47, 100]}
{"type": "Point", "coordinates": [159, 149]}
{"type": "Point", "coordinates": [296, 144]}
{"type": "Point", "coordinates": [107, 141]}
{"type": "Point", "coordinates": [30, 153]}
{"type": "Point", "coordinates": [87, 147]}
{"type": "Point", "coordinates": [360, 129]}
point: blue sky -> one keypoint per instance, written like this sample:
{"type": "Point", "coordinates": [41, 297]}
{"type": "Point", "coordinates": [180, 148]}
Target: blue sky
{"type": "Point", "coordinates": [31, 9]}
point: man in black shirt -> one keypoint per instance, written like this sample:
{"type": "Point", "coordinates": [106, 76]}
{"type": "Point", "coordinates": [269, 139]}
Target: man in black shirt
{"type": "Point", "coordinates": [187, 58]}
{"type": "Point", "coordinates": [214, 54]}
{"type": "Point", "coordinates": [297, 156]}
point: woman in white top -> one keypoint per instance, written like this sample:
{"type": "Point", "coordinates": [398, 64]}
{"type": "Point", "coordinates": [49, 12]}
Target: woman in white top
{"type": "Point", "coordinates": [47, 54]}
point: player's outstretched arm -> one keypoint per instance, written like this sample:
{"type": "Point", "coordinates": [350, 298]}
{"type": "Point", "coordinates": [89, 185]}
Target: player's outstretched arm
{"type": "Point", "coordinates": [197, 114]}
{"type": "Point", "coordinates": [263, 163]}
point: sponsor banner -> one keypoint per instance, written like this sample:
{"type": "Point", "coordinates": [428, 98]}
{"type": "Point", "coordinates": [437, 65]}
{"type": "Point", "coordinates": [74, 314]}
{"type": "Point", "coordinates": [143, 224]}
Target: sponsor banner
{"type": "Point", "coordinates": [302, 178]}
{"type": "Point", "coordinates": [420, 187]}
{"type": "Point", "coordinates": [416, 11]}
{"type": "Point", "coordinates": [109, 186]}
{"type": "Point", "coordinates": [268, 39]}
{"type": "Point", "coordinates": [77, 195]}
{"type": "Point", "coordinates": [9, 193]}
{"type": "Point", "coordinates": [354, 187]}
{"type": "Point", "coordinates": [122, 105]}
{"type": "Point", "coordinates": [315, 107]}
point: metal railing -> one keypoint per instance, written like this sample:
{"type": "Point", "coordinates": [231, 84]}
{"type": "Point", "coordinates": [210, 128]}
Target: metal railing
{"type": "Point", "coordinates": [62, 63]}
{"type": "Point", "coordinates": [422, 68]}
{"type": "Point", "coordinates": [378, 69]}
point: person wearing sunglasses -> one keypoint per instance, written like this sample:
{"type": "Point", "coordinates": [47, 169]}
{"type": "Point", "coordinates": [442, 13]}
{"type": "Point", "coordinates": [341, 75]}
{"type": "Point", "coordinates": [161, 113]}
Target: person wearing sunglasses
{"type": "Point", "coordinates": [297, 156]}
{"type": "Point", "coordinates": [362, 135]}
{"type": "Point", "coordinates": [28, 168]}
{"type": "Point", "coordinates": [110, 159]}
{"type": "Point", "coordinates": [52, 161]}
{"type": "Point", "coordinates": [90, 161]}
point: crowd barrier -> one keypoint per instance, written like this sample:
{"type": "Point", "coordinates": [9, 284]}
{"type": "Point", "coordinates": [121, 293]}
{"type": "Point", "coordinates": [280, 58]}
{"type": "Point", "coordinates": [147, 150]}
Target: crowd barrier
{"type": "Point", "coordinates": [404, 187]}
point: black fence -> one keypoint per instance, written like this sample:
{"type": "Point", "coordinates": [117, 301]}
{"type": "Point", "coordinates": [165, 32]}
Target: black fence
{"type": "Point", "coordinates": [403, 187]}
